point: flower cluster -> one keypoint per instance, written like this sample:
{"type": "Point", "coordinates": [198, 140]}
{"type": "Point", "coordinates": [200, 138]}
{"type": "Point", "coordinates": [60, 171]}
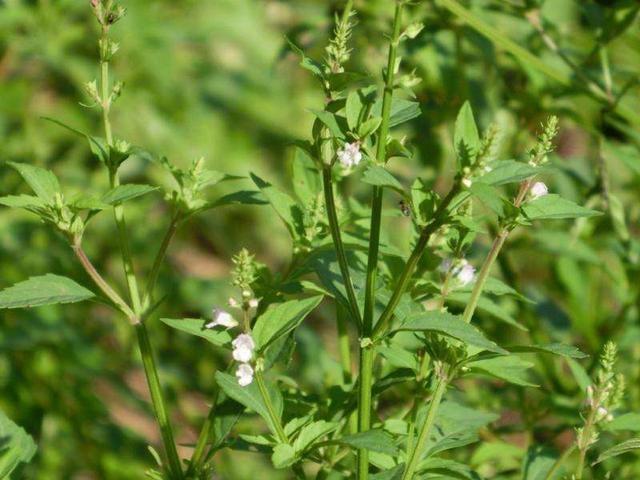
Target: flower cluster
{"type": "Point", "coordinates": [350, 155]}
{"type": "Point", "coordinates": [460, 269]}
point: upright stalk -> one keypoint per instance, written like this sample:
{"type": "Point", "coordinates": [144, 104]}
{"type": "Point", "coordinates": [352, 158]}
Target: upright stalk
{"type": "Point", "coordinates": [158, 402]}
{"type": "Point", "coordinates": [205, 437]}
{"type": "Point", "coordinates": [367, 352]}
{"type": "Point", "coordinates": [266, 398]}
{"type": "Point", "coordinates": [157, 263]}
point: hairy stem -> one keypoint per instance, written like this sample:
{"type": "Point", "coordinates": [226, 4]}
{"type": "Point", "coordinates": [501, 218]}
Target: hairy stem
{"type": "Point", "coordinates": [425, 429]}
{"type": "Point", "coordinates": [334, 227]}
{"type": "Point", "coordinates": [157, 400]}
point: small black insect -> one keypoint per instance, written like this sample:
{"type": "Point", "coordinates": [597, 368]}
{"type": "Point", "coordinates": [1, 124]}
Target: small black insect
{"type": "Point", "coordinates": [405, 209]}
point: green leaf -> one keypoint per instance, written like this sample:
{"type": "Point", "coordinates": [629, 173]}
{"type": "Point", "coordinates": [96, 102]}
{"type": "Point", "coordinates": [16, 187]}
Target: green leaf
{"type": "Point", "coordinates": [43, 182]}
{"type": "Point", "coordinates": [466, 138]}
{"type": "Point", "coordinates": [87, 202]}
{"type": "Point", "coordinates": [250, 396]}
{"type": "Point", "coordinates": [401, 110]}
{"type": "Point", "coordinates": [353, 107]}
{"type": "Point", "coordinates": [306, 62]}
{"type": "Point", "coordinates": [195, 326]}
{"type": "Point", "coordinates": [97, 145]}
{"type": "Point", "coordinates": [241, 197]}
{"type": "Point", "coordinates": [280, 319]}
{"type": "Point", "coordinates": [508, 171]}
{"type": "Point", "coordinates": [307, 182]}
{"type": "Point", "coordinates": [394, 473]}
{"type": "Point", "coordinates": [28, 202]}
{"type": "Point", "coordinates": [375, 440]}
{"type": "Point", "coordinates": [627, 422]}
{"type": "Point", "coordinates": [47, 289]}
{"type": "Point", "coordinates": [311, 433]}
{"type": "Point", "coordinates": [286, 208]}
{"type": "Point", "coordinates": [568, 351]}
{"type": "Point", "coordinates": [486, 306]}
{"type": "Point", "coordinates": [452, 326]}
{"type": "Point", "coordinates": [128, 191]}
{"type": "Point", "coordinates": [379, 176]}
{"type": "Point", "coordinates": [16, 446]}
{"type": "Point", "coordinates": [333, 122]}
{"type": "Point", "coordinates": [284, 455]}
{"type": "Point", "coordinates": [510, 368]}
{"type": "Point", "coordinates": [399, 357]}
{"type": "Point", "coordinates": [497, 287]}
{"type": "Point", "coordinates": [537, 465]}
{"type": "Point", "coordinates": [489, 196]}
{"type": "Point", "coordinates": [369, 127]}
{"type": "Point", "coordinates": [553, 206]}
{"type": "Point", "coordinates": [624, 447]}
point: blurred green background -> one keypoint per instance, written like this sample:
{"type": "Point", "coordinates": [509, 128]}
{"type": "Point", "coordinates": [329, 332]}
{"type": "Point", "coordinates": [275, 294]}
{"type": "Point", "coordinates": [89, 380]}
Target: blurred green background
{"type": "Point", "coordinates": [216, 79]}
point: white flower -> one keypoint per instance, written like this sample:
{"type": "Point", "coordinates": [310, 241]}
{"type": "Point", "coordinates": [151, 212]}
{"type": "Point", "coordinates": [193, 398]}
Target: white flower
{"type": "Point", "coordinates": [243, 347]}
{"type": "Point", "coordinates": [233, 303]}
{"type": "Point", "coordinates": [539, 189]}
{"type": "Point", "coordinates": [445, 265]}
{"type": "Point", "coordinates": [222, 319]}
{"type": "Point", "coordinates": [467, 182]}
{"type": "Point", "coordinates": [466, 274]}
{"type": "Point", "coordinates": [244, 374]}
{"type": "Point", "coordinates": [253, 303]}
{"type": "Point", "coordinates": [350, 155]}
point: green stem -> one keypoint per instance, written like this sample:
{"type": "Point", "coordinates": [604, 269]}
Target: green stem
{"type": "Point", "coordinates": [344, 345]}
{"type": "Point", "coordinates": [367, 353]}
{"type": "Point", "coordinates": [205, 438]}
{"type": "Point", "coordinates": [157, 400]}
{"type": "Point", "coordinates": [334, 227]}
{"type": "Point", "coordinates": [558, 463]}
{"type": "Point", "coordinates": [266, 398]}
{"type": "Point", "coordinates": [157, 263]}
{"type": "Point", "coordinates": [425, 430]}
{"type": "Point", "coordinates": [409, 268]}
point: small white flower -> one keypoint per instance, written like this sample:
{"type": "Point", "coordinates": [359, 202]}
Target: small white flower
{"type": "Point", "coordinates": [466, 274]}
{"type": "Point", "coordinates": [467, 182]}
{"type": "Point", "coordinates": [243, 347]}
{"type": "Point", "coordinates": [350, 155]}
{"type": "Point", "coordinates": [253, 303]}
{"type": "Point", "coordinates": [222, 319]}
{"type": "Point", "coordinates": [244, 374]}
{"type": "Point", "coordinates": [539, 189]}
{"type": "Point", "coordinates": [487, 169]}
{"type": "Point", "coordinates": [602, 413]}
{"type": "Point", "coordinates": [445, 265]}
{"type": "Point", "coordinates": [233, 303]}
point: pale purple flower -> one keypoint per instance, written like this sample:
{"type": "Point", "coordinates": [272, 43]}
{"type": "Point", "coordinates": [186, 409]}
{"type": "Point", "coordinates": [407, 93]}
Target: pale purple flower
{"type": "Point", "coordinates": [221, 318]}
{"type": "Point", "coordinates": [466, 274]}
{"type": "Point", "coordinates": [539, 189]}
{"type": "Point", "coordinates": [350, 155]}
{"type": "Point", "coordinates": [243, 347]}
{"type": "Point", "coordinates": [244, 374]}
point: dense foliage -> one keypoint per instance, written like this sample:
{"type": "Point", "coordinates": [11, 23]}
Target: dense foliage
{"type": "Point", "coordinates": [419, 261]}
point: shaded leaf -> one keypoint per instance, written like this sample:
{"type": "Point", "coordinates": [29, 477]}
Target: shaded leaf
{"type": "Point", "coordinates": [194, 326]}
{"type": "Point", "coordinates": [47, 289]}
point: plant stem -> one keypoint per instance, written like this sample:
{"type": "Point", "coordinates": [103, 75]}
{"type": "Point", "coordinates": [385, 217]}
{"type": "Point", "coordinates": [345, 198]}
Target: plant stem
{"type": "Point", "coordinates": [266, 398]}
{"type": "Point", "coordinates": [367, 353]}
{"type": "Point", "coordinates": [425, 429]}
{"type": "Point", "coordinates": [157, 263]}
{"type": "Point", "coordinates": [204, 438]}
{"type": "Point", "coordinates": [158, 401]}
{"type": "Point", "coordinates": [558, 463]}
{"type": "Point", "coordinates": [334, 226]}
{"type": "Point", "coordinates": [410, 266]}
{"type": "Point", "coordinates": [102, 283]}
{"type": "Point", "coordinates": [343, 345]}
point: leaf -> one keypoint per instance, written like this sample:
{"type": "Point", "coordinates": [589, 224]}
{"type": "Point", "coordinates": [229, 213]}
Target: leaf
{"type": "Point", "coordinates": [510, 368]}
{"type": "Point", "coordinates": [284, 205]}
{"type": "Point", "coordinates": [369, 127]}
{"type": "Point", "coordinates": [194, 326]}
{"type": "Point", "coordinates": [332, 122]}
{"type": "Point", "coordinates": [241, 197]}
{"type": "Point", "coordinates": [466, 139]}
{"type": "Point", "coordinates": [128, 191]}
{"type": "Point", "coordinates": [497, 287]}
{"type": "Point", "coordinates": [353, 107]}
{"type": "Point", "coordinates": [97, 145]}
{"type": "Point", "coordinates": [47, 289]}
{"type": "Point", "coordinates": [280, 319]}
{"type": "Point", "coordinates": [579, 374]}
{"type": "Point", "coordinates": [28, 202]}
{"type": "Point", "coordinates": [379, 176]}
{"type": "Point", "coordinates": [568, 351]}
{"type": "Point", "coordinates": [311, 433]}
{"type": "Point", "coordinates": [508, 171]}
{"type": "Point", "coordinates": [452, 326]}
{"type": "Point", "coordinates": [489, 196]}
{"type": "Point", "coordinates": [624, 447]}
{"type": "Point", "coordinates": [553, 206]}
{"type": "Point", "coordinates": [399, 357]}
{"type": "Point", "coordinates": [250, 397]}
{"type": "Point", "coordinates": [627, 422]}
{"type": "Point", "coordinates": [537, 465]}
{"type": "Point", "coordinates": [307, 182]}
{"type": "Point", "coordinates": [284, 455]}
{"type": "Point", "coordinates": [486, 306]}
{"type": "Point", "coordinates": [401, 111]}
{"type": "Point", "coordinates": [43, 182]}
{"type": "Point", "coordinates": [394, 473]}
{"type": "Point", "coordinates": [306, 62]}
{"type": "Point", "coordinates": [16, 446]}
{"type": "Point", "coordinates": [376, 440]}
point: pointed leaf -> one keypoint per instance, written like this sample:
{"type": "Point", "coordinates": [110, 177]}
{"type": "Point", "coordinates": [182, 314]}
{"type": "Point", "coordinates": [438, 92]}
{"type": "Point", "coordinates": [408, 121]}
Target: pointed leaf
{"type": "Point", "coordinates": [624, 447]}
{"type": "Point", "coordinates": [43, 182]}
{"type": "Point", "coordinates": [380, 177]}
{"type": "Point", "coordinates": [195, 326]}
{"type": "Point", "coordinates": [47, 289]}
{"type": "Point", "coordinates": [466, 138]}
{"type": "Point", "coordinates": [125, 192]}
{"type": "Point", "coordinates": [553, 206]}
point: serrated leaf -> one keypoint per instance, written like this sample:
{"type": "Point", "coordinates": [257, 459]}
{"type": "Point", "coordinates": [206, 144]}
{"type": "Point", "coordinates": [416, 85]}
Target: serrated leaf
{"type": "Point", "coordinates": [554, 207]}
{"type": "Point", "coordinates": [452, 326]}
{"type": "Point", "coordinates": [250, 396]}
{"type": "Point", "coordinates": [375, 440]}
{"type": "Point", "coordinates": [624, 447]}
{"type": "Point", "coordinates": [466, 138]}
{"type": "Point", "coordinates": [43, 182]}
{"type": "Point", "coordinates": [286, 208]}
{"type": "Point", "coordinates": [16, 446]}
{"type": "Point", "coordinates": [510, 368]}
{"type": "Point", "coordinates": [280, 319]}
{"type": "Point", "coordinates": [194, 326]}
{"type": "Point", "coordinates": [333, 122]}
{"type": "Point", "coordinates": [401, 111]}
{"type": "Point", "coordinates": [568, 351]}
{"type": "Point", "coordinates": [125, 192]}
{"type": "Point", "coordinates": [28, 202]}
{"type": "Point", "coordinates": [284, 455]}
{"type": "Point", "coordinates": [379, 176]}
{"type": "Point", "coordinates": [394, 473]}
{"type": "Point", "coordinates": [508, 171]}
{"type": "Point", "coordinates": [311, 433]}
{"type": "Point", "coordinates": [489, 196]}
{"type": "Point", "coordinates": [47, 289]}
